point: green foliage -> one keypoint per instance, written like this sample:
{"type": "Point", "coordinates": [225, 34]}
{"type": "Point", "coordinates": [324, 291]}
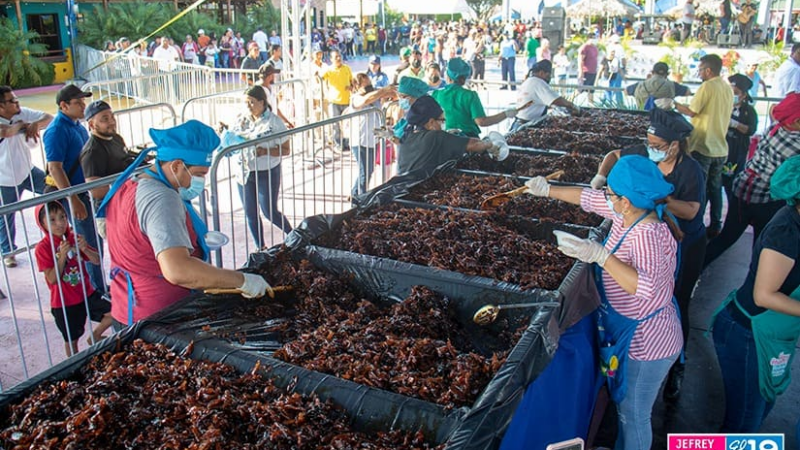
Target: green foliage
{"type": "Point", "coordinates": [259, 14]}
{"type": "Point", "coordinates": [483, 8]}
{"type": "Point", "coordinates": [138, 19]}
{"type": "Point", "coordinates": [392, 16]}
{"type": "Point", "coordinates": [775, 59]}
{"type": "Point", "coordinates": [19, 66]}
{"type": "Point", "coordinates": [674, 58]}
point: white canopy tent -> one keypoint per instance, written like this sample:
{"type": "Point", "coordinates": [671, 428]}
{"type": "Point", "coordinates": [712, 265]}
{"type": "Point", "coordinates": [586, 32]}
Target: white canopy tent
{"type": "Point", "coordinates": [601, 8]}
{"type": "Point", "coordinates": [351, 8]}
{"type": "Point", "coordinates": [428, 7]}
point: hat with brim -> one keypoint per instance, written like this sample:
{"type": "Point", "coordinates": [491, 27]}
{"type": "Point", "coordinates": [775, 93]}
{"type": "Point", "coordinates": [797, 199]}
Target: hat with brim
{"type": "Point", "coordinates": [70, 92]}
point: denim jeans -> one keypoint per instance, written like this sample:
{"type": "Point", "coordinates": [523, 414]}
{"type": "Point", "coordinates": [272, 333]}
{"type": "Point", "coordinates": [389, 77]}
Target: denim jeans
{"type": "Point", "coordinates": [531, 62]}
{"type": "Point", "coordinates": [86, 229]}
{"type": "Point", "coordinates": [712, 168]}
{"type": "Point", "coordinates": [614, 82]}
{"type": "Point", "coordinates": [508, 71]}
{"type": "Point", "coordinates": [261, 190]}
{"type": "Point", "coordinates": [336, 111]}
{"type": "Point", "coordinates": [692, 256]}
{"type": "Point", "coordinates": [745, 408]}
{"type": "Point", "coordinates": [365, 156]}
{"type": "Point", "coordinates": [636, 409]}
{"type": "Point", "coordinates": [740, 215]}
{"type": "Point", "coordinates": [11, 194]}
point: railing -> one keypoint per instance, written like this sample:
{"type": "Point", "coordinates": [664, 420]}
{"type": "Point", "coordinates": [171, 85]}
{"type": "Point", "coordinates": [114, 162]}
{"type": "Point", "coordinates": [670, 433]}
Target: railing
{"type": "Point", "coordinates": [322, 184]}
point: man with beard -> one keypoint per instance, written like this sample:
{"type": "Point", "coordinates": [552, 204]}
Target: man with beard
{"type": "Point", "coordinates": [105, 152]}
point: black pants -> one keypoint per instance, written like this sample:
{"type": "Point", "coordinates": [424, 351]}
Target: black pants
{"type": "Point", "coordinates": [692, 256]}
{"type": "Point", "coordinates": [740, 215]}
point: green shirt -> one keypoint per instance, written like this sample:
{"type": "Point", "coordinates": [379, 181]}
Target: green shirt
{"type": "Point", "coordinates": [531, 47]}
{"type": "Point", "coordinates": [461, 107]}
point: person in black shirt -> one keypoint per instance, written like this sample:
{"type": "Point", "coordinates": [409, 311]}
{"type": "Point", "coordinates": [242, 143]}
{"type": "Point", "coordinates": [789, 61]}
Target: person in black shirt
{"type": "Point", "coordinates": [744, 122]}
{"type": "Point", "coordinates": [105, 152]}
{"type": "Point", "coordinates": [668, 146]}
{"type": "Point", "coordinates": [251, 62]}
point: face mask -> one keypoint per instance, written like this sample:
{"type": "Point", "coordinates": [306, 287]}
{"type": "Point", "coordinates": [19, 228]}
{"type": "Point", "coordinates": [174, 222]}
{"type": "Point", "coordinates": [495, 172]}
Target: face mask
{"type": "Point", "coordinates": [195, 188]}
{"type": "Point", "coordinates": [435, 79]}
{"type": "Point", "coordinates": [611, 207]}
{"type": "Point", "coordinates": [416, 64]}
{"type": "Point", "coordinates": [735, 99]}
{"type": "Point", "coordinates": [655, 155]}
{"type": "Point", "coordinates": [405, 104]}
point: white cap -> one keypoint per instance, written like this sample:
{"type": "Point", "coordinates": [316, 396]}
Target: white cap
{"type": "Point", "coordinates": [200, 31]}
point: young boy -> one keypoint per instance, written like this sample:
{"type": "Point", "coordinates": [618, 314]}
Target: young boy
{"type": "Point", "coordinates": [56, 256]}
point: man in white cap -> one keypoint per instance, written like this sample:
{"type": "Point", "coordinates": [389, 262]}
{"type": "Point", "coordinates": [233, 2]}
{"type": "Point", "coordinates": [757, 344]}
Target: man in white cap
{"type": "Point", "coordinates": [156, 238]}
{"type": "Point", "coordinates": [202, 43]}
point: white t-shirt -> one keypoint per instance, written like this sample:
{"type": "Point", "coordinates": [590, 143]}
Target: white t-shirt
{"type": "Point", "coordinates": [362, 128]}
{"type": "Point", "coordinates": [787, 78]}
{"type": "Point", "coordinates": [688, 13]}
{"type": "Point", "coordinates": [560, 65]}
{"type": "Point", "coordinates": [261, 39]}
{"type": "Point", "coordinates": [167, 55]}
{"type": "Point", "coordinates": [15, 151]}
{"type": "Point", "coordinates": [540, 92]}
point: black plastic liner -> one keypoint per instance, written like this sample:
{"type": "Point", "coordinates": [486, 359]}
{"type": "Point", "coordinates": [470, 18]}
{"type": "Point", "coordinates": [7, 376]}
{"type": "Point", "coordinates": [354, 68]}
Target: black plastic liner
{"type": "Point", "coordinates": [370, 410]}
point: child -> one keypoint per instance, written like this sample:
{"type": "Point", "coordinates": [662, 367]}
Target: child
{"type": "Point", "coordinates": [56, 257]}
{"type": "Point", "coordinates": [212, 54]}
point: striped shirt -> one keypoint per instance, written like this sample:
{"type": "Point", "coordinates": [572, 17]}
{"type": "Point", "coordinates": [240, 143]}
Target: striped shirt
{"type": "Point", "coordinates": [651, 250]}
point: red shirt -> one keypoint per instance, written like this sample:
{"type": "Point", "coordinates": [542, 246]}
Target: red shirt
{"type": "Point", "coordinates": [131, 252]}
{"type": "Point", "coordinates": [652, 251]}
{"type": "Point", "coordinates": [74, 280]}
{"type": "Point", "coordinates": [589, 61]}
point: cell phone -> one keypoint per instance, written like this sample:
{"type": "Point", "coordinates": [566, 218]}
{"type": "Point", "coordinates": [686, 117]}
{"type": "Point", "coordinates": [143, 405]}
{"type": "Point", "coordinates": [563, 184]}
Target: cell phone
{"type": "Point", "coordinates": [572, 444]}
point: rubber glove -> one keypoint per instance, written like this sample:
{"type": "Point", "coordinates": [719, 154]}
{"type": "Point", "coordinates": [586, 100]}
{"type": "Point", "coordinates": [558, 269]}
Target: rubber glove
{"type": "Point", "coordinates": [538, 186]}
{"type": "Point", "coordinates": [494, 150]}
{"type": "Point", "coordinates": [665, 103]}
{"type": "Point", "coordinates": [511, 112]}
{"type": "Point", "coordinates": [585, 250]}
{"type": "Point", "coordinates": [734, 123]}
{"type": "Point", "coordinates": [255, 286]}
{"type": "Point", "coordinates": [598, 181]}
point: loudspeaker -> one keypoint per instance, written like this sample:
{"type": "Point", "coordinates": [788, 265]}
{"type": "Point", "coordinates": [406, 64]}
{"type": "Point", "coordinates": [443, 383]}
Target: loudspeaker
{"type": "Point", "coordinates": [730, 40]}
{"type": "Point", "coordinates": [556, 38]}
{"type": "Point", "coordinates": [651, 37]}
{"type": "Point", "coordinates": [554, 11]}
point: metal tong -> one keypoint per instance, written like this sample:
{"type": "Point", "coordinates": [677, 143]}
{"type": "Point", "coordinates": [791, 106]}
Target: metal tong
{"type": "Point", "coordinates": [496, 200]}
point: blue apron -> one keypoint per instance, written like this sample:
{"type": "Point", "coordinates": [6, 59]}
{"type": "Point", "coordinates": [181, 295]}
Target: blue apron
{"type": "Point", "coordinates": [199, 226]}
{"type": "Point", "coordinates": [615, 332]}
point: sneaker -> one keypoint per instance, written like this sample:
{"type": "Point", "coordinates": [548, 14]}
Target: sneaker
{"type": "Point", "coordinates": [10, 261]}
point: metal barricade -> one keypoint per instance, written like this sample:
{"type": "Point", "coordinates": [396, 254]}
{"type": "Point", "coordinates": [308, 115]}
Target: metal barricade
{"type": "Point", "coordinates": [298, 186]}
{"type": "Point", "coordinates": [133, 124]}
{"type": "Point", "coordinates": [25, 322]}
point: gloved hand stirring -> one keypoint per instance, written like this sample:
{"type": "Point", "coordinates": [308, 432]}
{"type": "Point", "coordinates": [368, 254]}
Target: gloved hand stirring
{"type": "Point", "coordinates": [255, 286]}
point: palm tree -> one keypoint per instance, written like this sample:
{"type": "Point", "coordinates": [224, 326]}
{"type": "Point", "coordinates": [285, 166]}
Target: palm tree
{"type": "Point", "coordinates": [19, 66]}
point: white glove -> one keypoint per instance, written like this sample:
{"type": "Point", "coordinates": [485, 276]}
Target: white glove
{"type": "Point", "coordinates": [585, 250]}
{"type": "Point", "coordinates": [665, 103]}
{"type": "Point", "coordinates": [510, 113]}
{"type": "Point", "coordinates": [100, 225]}
{"type": "Point", "coordinates": [255, 286]}
{"type": "Point", "coordinates": [598, 181]}
{"type": "Point", "coordinates": [734, 123]}
{"type": "Point", "coordinates": [494, 150]}
{"type": "Point", "coordinates": [538, 186]}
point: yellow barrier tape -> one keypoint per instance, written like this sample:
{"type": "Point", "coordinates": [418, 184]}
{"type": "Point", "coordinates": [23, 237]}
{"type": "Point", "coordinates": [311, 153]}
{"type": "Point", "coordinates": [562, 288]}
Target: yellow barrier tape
{"type": "Point", "coordinates": [136, 44]}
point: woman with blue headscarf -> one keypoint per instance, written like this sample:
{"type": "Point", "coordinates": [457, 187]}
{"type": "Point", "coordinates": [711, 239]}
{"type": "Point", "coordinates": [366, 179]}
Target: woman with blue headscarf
{"type": "Point", "coordinates": [423, 143]}
{"type": "Point", "coordinates": [463, 107]}
{"type": "Point", "coordinates": [757, 326]}
{"type": "Point", "coordinates": [639, 331]}
{"type": "Point", "coordinates": [667, 146]}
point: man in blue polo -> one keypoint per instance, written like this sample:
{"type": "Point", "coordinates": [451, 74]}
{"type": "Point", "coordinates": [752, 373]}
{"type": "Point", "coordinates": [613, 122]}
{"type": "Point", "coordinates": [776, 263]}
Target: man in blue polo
{"type": "Point", "coordinates": [63, 141]}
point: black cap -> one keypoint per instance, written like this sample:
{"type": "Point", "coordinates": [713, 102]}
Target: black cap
{"type": "Point", "coordinates": [70, 92]}
{"type": "Point", "coordinates": [741, 81]}
{"type": "Point", "coordinates": [542, 66]}
{"type": "Point", "coordinates": [94, 108]}
{"type": "Point", "coordinates": [661, 68]}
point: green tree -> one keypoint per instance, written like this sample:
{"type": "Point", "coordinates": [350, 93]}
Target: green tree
{"type": "Point", "coordinates": [138, 19]}
{"type": "Point", "coordinates": [483, 8]}
{"type": "Point", "coordinates": [259, 15]}
{"type": "Point", "coordinates": [19, 66]}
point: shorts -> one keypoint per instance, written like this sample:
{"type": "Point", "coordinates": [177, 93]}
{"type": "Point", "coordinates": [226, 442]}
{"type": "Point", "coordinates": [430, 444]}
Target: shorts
{"type": "Point", "coordinates": [589, 79]}
{"type": "Point", "coordinates": [76, 316]}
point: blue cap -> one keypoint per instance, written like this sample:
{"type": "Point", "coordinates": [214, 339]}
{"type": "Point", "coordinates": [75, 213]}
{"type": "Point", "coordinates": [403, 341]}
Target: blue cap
{"type": "Point", "coordinates": [192, 142]}
{"type": "Point", "coordinates": [640, 181]}
{"type": "Point", "coordinates": [457, 68]}
{"type": "Point", "coordinates": [413, 87]}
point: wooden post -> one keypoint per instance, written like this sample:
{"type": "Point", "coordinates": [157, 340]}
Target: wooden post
{"type": "Point", "coordinates": [229, 13]}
